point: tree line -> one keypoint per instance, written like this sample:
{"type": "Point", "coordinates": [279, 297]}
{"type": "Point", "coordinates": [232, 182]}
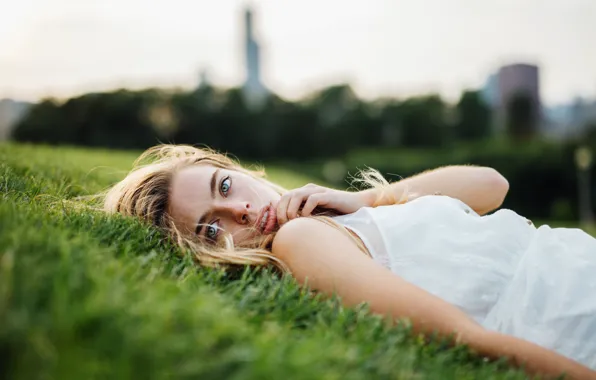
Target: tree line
{"type": "Point", "coordinates": [327, 123]}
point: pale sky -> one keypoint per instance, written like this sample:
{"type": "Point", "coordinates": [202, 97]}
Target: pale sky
{"type": "Point", "coordinates": [382, 47]}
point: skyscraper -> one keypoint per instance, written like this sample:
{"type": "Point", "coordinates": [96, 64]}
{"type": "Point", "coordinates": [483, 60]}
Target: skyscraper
{"type": "Point", "coordinates": [254, 90]}
{"type": "Point", "coordinates": [519, 78]}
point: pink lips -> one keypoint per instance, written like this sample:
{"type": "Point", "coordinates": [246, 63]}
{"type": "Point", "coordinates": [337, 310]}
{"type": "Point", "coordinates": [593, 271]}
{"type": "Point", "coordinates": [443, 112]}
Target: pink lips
{"type": "Point", "coordinates": [270, 222]}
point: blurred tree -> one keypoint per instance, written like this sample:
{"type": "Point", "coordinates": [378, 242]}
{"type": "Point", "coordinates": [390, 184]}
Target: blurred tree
{"type": "Point", "coordinates": [365, 127]}
{"type": "Point", "coordinates": [43, 123]}
{"type": "Point", "coordinates": [423, 120]}
{"type": "Point", "coordinates": [118, 119]}
{"type": "Point", "coordinates": [196, 115]}
{"type": "Point", "coordinates": [329, 123]}
{"type": "Point", "coordinates": [294, 132]}
{"type": "Point", "coordinates": [390, 123]}
{"type": "Point", "coordinates": [522, 117]}
{"type": "Point", "coordinates": [589, 135]}
{"type": "Point", "coordinates": [473, 117]}
{"type": "Point", "coordinates": [333, 106]}
{"type": "Point", "coordinates": [236, 125]}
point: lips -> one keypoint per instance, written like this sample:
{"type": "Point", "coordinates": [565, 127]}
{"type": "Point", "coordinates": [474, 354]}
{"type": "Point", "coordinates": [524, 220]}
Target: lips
{"type": "Point", "coordinates": [266, 220]}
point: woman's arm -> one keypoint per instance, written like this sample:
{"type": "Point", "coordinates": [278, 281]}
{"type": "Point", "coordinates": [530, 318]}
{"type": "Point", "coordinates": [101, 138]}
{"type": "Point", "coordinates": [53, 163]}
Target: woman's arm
{"type": "Point", "coordinates": [329, 262]}
{"type": "Point", "coordinates": [481, 188]}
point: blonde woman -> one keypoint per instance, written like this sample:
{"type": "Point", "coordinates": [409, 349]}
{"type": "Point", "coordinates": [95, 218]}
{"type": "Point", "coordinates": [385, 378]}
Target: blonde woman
{"type": "Point", "coordinates": [423, 248]}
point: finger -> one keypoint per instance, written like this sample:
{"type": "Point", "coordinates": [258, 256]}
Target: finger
{"type": "Point", "coordinates": [290, 202]}
{"type": "Point", "coordinates": [299, 197]}
{"type": "Point", "coordinates": [312, 202]}
{"type": "Point", "coordinates": [281, 208]}
{"type": "Point", "coordinates": [294, 205]}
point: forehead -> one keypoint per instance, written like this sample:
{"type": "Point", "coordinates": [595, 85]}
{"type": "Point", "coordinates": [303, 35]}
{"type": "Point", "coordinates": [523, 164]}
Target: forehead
{"type": "Point", "coordinates": [190, 179]}
{"type": "Point", "coordinates": [190, 194]}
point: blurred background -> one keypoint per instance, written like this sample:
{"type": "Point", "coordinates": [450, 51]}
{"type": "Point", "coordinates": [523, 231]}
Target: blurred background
{"type": "Point", "coordinates": [324, 87]}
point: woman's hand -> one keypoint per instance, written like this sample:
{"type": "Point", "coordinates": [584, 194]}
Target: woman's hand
{"type": "Point", "coordinates": [312, 196]}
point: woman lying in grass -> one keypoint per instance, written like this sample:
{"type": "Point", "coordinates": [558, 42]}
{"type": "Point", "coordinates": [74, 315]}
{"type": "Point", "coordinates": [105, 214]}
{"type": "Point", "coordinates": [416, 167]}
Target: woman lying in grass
{"type": "Point", "coordinates": [419, 249]}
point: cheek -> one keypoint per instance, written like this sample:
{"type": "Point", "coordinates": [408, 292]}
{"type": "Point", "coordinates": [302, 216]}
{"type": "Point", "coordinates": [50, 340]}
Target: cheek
{"type": "Point", "coordinates": [239, 233]}
{"type": "Point", "coordinates": [251, 190]}
{"type": "Point", "coordinates": [265, 192]}
{"type": "Point", "coordinates": [246, 189]}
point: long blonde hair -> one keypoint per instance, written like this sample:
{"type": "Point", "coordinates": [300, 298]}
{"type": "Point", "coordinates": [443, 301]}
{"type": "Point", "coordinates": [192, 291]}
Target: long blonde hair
{"type": "Point", "coordinates": [144, 193]}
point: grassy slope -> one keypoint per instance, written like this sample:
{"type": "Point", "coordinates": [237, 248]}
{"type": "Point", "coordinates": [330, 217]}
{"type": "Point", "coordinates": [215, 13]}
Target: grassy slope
{"type": "Point", "coordinates": [83, 295]}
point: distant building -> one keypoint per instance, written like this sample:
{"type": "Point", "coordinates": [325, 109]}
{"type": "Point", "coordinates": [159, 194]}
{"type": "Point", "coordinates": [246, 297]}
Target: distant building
{"type": "Point", "coordinates": [11, 112]}
{"type": "Point", "coordinates": [490, 91]}
{"type": "Point", "coordinates": [204, 80]}
{"type": "Point", "coordinates": [490, 95]}
{"type": "Point", "coordinates": [570, 120]}
{"type": "Point", "coordinates": [254, 90]}
{"type": "Point", "coordinates": [514, 79]}
{"type": "Point", "coordinates": [584, 114]}
{"type": "Point", "coordinates": [560, 122]}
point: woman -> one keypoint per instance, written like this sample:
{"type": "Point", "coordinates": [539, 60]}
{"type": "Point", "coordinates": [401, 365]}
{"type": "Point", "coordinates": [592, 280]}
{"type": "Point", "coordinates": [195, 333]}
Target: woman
{"type": "Point", "coordinates": [502, 286]}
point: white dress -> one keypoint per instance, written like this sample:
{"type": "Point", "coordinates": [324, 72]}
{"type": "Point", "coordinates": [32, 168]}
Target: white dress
{"type": "Point", "coordinates": [538, 284]}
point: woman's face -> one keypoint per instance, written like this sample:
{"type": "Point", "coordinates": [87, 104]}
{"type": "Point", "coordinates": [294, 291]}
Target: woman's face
{"type": "Point", "coordinates": [207, 201]}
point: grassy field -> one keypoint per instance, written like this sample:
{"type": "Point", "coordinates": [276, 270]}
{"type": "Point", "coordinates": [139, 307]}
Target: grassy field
{"type": "Point", "coordinates": [86, 296]}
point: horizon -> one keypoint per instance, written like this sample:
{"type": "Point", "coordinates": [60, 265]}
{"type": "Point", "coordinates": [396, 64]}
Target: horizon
{"type": "Point", "coordinates": [434, 47]}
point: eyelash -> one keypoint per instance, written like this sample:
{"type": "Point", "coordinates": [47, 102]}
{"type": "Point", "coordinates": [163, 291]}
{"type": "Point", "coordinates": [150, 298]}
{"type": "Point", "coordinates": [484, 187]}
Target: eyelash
{"type": "Point", "coordinates": [210, 225]}
{"type": "Point", "coordinates": [216, 222]}
{"type": "Point", "coordinates": [229, 186]}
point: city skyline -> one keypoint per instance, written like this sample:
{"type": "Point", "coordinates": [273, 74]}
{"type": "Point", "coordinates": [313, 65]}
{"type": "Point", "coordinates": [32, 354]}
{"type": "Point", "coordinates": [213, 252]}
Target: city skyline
{"type": "Point", "coordinates": [383, 48]}
{"type": "Point", "coordinates": [255, 92]}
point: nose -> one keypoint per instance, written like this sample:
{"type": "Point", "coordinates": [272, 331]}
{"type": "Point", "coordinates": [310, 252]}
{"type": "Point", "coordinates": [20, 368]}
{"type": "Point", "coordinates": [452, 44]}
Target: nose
{"type": "Point", "coordinates": [238, 211]}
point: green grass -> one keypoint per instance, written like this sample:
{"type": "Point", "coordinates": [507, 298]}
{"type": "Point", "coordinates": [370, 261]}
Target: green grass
{"type": "Point", "coordinates": [84, 295]}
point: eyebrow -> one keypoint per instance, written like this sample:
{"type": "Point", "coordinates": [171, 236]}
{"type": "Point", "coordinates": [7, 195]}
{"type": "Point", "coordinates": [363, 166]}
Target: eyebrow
{"type": "Point", "coordinates": [203, 217]}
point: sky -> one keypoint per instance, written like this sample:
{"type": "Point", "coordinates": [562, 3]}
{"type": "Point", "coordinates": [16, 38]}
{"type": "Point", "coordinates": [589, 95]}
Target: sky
{"type": "Point", "coordinates": [63, 48]}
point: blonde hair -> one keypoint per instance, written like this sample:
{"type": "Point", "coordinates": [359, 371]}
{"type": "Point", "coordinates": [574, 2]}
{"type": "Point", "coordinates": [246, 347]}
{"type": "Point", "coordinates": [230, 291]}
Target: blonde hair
{"type": "Point", "coordinates": [144, 193]}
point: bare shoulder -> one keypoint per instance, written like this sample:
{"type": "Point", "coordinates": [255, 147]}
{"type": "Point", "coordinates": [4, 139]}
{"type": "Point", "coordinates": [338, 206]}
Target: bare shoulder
{"type": "Point", "coordinates": [306, 234]}
{"type": "Point", "coordinates": [319, 252]}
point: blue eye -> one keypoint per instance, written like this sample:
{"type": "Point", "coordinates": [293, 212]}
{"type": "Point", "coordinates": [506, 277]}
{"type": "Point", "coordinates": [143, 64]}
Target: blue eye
{"type": "Point", "coordinates": [212, 231]}
{"type": "Point", "coordinates": [225, 186]}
